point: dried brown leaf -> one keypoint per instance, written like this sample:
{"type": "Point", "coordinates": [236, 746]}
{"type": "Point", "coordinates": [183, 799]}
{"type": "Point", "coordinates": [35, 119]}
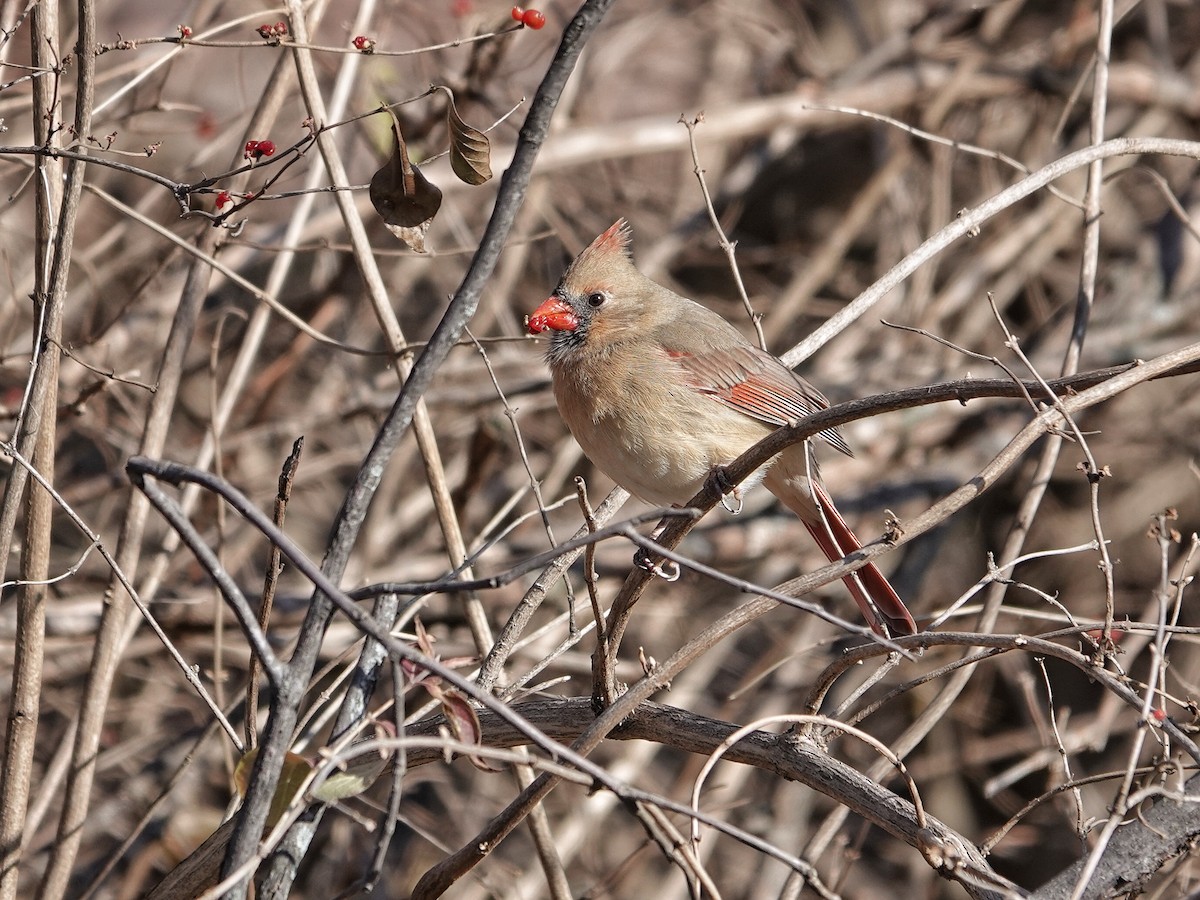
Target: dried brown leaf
{"type": "Point", "coordinates": [464, 724]}
{"type": "Point", "coordinates": [295, 770]}
{"type": "Point", "coordinates": [405, 199]}
{"type": "Point", "coordinates": [470, 149]}
{"type": "Point", "coordinates": [359, 774]}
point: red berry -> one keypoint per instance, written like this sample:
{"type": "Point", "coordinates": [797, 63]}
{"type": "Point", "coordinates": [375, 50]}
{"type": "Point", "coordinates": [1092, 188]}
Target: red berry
{"type": "Point", "coordinates": [534, 18]}
{"type": "Point", "coordinates": [1160, 714]}
{"type": "Point", "coordinates": [280, 28]}
{"type": "Point", "coordinates": [224, 198]}
{"type": "Point", "coordinates": [266, 32]}
{"type": "Point", "coordinates": [518, 14]}
{"type": "Point", "coordinates": [364, 44]}
{"type": "Point", "coordinates": [185, 31]}
{"type": "Point", "coordinates": [258, 149]}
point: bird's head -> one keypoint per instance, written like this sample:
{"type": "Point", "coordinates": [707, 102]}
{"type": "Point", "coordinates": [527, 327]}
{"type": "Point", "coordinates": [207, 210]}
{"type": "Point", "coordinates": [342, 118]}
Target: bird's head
{"type": "Point", "coordinates": [599, 298]}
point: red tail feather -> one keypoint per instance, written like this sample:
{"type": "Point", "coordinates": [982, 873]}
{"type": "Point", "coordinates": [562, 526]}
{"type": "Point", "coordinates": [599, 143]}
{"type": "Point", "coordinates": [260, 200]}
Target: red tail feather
{"type": "Point", "coordinates": [871, 590]}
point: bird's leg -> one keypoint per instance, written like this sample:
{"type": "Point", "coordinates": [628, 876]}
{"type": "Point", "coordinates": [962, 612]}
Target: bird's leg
{"type": "Point", "coordinates": [731, 494]}
{"type": "Point", "coordinates": [666, 569]}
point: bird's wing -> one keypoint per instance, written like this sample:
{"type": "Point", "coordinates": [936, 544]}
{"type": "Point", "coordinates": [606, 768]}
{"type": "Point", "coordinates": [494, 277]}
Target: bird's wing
{"type": "Point", "coordinates": [757, 384]}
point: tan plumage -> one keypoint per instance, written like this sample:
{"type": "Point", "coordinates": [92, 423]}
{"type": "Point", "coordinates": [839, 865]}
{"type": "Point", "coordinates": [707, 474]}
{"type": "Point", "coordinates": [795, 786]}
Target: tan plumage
{"type": "Point", "coordinates": [658, 390]}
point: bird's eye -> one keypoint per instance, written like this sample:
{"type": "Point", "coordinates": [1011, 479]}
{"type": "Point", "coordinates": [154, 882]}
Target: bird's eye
{"type": "Point", "coordinates": [596, 300]}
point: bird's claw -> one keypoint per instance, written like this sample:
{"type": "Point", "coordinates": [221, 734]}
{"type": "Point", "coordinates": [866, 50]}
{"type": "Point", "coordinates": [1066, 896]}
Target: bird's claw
{"type": "Point", "coordinates": [667, 569]}
{"type": "Point", "coordinates": [731, 494]}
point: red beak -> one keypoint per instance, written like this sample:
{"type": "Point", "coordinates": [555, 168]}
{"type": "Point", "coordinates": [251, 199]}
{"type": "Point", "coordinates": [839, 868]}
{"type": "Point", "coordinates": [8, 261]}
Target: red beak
{"type": "Point", "coordinates": [552, 315]}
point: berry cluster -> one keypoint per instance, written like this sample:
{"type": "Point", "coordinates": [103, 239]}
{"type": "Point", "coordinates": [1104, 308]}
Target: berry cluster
{"type": "Point", "coordinates": [530, 18]}
{"type": "Point", "coordinates": [364, 44]}
{"type": "Point", "coordinates": [272, 33]}
{"type": "Point", "coordinates": [256, 150]}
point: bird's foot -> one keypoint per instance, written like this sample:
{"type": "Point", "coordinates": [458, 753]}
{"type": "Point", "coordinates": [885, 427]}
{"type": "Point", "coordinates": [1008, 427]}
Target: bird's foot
{"type": "Point", "coordinates": [666, 569]}
{"type": "Point", "coordinates": [731, 494]}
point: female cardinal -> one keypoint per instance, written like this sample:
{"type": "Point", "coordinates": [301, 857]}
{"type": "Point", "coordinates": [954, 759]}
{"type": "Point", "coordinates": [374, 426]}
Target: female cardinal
{"type": "Point", "coordinates": [659, 390]}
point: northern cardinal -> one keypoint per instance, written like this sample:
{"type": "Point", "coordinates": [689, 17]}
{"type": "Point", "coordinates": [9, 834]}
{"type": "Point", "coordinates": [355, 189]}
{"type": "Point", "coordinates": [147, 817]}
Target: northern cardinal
{"type": "Point", "coordinates": [659, 390]}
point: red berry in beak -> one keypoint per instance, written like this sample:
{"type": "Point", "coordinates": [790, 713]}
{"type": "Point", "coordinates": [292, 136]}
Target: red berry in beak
{"type": "Point", "coordinates": [553, 315]}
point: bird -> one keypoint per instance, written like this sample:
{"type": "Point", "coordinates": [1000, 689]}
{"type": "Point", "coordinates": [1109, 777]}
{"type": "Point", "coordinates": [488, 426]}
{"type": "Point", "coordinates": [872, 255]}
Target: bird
{"type": "Point", "coordinates": [661, 392]}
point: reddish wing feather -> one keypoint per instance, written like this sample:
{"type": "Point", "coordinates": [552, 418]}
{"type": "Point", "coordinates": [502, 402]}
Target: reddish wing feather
{"type": "Point", "coordinates": [757, 384]}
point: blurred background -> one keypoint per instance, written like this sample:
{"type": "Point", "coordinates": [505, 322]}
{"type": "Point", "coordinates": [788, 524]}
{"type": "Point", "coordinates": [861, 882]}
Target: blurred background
{"type": "Point", "coordinates": [820, 203]}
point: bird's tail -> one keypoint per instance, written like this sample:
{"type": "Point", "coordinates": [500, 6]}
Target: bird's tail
{"type": "Point", "coordinates": [878, 600]}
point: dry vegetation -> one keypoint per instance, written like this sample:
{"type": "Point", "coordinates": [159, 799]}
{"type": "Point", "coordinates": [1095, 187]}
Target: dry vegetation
{"type": "Point", "coordinates": [157, 340]}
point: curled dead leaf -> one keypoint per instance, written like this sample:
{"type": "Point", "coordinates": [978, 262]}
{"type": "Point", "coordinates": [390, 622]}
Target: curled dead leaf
{"type": "Point", "coordinates": [404, 198]}
{"type": "Point", "coordinates": [464, 724]}
{"type": "Point", "coordinates": [470, 149]}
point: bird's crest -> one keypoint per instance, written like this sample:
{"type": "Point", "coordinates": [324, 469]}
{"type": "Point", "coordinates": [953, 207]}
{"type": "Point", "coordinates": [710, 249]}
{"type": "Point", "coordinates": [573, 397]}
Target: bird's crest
{"type": "Point", "coordinates": [614, 240]}
{"type": "Point", "coordinates": [612, 245]}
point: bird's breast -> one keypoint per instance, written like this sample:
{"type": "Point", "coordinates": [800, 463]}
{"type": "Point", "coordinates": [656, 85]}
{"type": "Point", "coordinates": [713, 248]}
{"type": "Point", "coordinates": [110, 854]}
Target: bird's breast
{"type": "Point", "coordinates": [639, 420]}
